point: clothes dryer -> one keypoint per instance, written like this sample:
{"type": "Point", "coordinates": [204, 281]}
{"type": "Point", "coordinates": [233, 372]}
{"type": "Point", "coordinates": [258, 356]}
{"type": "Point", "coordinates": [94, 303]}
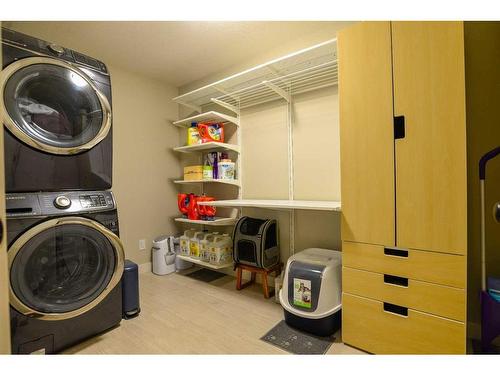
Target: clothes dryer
{"type": "Point", "coordinates": [57, 117]}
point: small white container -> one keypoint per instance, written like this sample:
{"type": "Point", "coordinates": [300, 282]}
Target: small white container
{"type": "Point", "coordinates": [226, 169]}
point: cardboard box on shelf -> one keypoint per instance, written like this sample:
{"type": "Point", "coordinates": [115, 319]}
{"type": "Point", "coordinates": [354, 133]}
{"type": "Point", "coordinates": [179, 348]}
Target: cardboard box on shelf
{"type": "Point", "coordinates": [193, 172]}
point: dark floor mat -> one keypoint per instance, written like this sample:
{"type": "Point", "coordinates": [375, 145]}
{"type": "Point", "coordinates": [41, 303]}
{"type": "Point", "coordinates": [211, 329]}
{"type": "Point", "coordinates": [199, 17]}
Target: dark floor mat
{"type": "Point", "coordinates": [297, 342]}
{"type": "Point", "coordinates": [205, 275]}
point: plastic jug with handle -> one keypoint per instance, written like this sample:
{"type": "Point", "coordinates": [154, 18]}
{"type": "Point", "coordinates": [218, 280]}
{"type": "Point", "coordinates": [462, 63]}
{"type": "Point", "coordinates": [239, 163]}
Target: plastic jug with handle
{"type": "Point", "coordinates": [221, 250]}
{"type": "Point", "coordinates": [195, 244]}
{"type": "Point", "coordinates": [184, 241]}
{"type": "Point", "coordinates": [205, 245]}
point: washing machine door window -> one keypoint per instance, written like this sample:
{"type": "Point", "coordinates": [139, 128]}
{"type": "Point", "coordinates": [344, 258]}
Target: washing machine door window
{"type": "Point", "coordinates": [53, 106]}
{"type": "Point", "coordinates": [63, 267]}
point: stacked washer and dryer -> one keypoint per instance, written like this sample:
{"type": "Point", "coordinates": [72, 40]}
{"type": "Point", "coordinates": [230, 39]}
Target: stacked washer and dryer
{"type": "Point", "coordinates": [65, 257]}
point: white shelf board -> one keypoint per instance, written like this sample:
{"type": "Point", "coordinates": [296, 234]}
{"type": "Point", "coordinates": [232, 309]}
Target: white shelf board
{"type": "Point", "coordinates": [211, 116]}
{"type": "Point", "coordinates": [204, 264]}
{"type": "Point", "coordinates": [302, 71]}
{"type": "Point", "coordinates": [278, 204]}
{"type": "Point", "coordinates": [219, 221]}
{"type": "Point", "coordinates": [227, 182]}
{"type": "Point", "coordinates": [209, 146]}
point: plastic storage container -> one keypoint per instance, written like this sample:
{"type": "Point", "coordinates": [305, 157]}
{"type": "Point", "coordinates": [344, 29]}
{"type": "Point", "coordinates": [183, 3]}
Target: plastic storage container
{"type": "Point", "coordinates": [195, 244]}
{"type": "Point", "coordinates": [184, 241]}
{"type": "Point", "coordinates": [205, 245]}
{"type": "Point", "coordinates": [221, 250]}
{"type": "Point", "coordinates": [311, 295]}
{"type": "Point", "coordinates": [180, 264]}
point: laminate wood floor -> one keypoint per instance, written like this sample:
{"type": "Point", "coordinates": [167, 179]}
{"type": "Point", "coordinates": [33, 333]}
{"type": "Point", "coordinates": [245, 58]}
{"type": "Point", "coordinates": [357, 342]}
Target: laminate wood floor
{"type": "Point", "coordinates": [180, 315]}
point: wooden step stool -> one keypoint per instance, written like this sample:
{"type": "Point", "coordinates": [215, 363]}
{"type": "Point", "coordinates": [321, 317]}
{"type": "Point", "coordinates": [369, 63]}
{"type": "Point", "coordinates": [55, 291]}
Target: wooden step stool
{"type": "Point", "coordinates": [254, 271]}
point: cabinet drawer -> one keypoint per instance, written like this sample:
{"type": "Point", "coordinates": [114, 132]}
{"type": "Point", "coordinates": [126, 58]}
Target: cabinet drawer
{"type": "Point", "coordinates": [420, 265]}
{"type": "Point", "coordinates": [431, 298]}
{"type": "Point", "coordinates": [380, 328]}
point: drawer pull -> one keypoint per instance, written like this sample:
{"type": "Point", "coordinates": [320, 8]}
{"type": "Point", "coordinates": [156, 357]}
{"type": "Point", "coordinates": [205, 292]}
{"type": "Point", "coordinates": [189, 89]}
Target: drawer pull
{"type": "Point", "coordinates": [396, 252]}
{"type": "Point", "coordinates": [396, 280]}
{"type": "Point", "coordinates": [395, 309]}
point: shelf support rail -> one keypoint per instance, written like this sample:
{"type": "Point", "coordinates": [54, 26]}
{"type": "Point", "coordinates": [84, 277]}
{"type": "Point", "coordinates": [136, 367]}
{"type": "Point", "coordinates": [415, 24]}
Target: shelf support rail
{"type": "Point", "coordinates": [278, 90]}
{"type": "Point", "coordinates": [226, 105]}
{"type": "Point", "coordinates": [291, 192]}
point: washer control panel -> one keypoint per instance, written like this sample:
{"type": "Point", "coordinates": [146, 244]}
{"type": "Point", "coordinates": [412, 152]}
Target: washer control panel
{"type": "Point", "coordinates": [71, 202]}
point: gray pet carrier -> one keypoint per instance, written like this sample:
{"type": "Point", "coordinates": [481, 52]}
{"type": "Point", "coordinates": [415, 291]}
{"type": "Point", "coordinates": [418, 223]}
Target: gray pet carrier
{"type": "Point", "coordinates": [255, 242]}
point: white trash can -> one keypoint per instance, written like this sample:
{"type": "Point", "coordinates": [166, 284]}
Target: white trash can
{"type": "Point", "coordinates": [163, 258]}
{"type": "Point", "coordinates": [311, 295]}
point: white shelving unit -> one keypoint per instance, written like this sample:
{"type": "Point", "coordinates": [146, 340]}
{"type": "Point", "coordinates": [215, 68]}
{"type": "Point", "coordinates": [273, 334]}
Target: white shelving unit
{"type": "Point", "coordinates": [280, 79]}
{"type": "Point", "coordinates": [224, 182]}
{"type": "Point", "coordinates": [204, 264]}
{"type": "Point", "coordinates": [209, 146]}
{"type": "Point", "coordinates": [278, 204]}
{"type": "Point", "coordinates": [218, 221]}
{"type": "Point", "coordinates": [211, 116]}
{"type": "Point", "coordinates": [308, 69]}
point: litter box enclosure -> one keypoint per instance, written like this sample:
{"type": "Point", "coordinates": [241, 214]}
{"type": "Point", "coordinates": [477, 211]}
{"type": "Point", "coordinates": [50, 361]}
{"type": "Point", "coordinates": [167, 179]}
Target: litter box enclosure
{"type": "Point", "coordinates": [311, 295]}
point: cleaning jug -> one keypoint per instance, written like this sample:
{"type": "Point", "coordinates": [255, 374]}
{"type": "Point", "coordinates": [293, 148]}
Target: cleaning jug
{"type": "Point", "coordinates": [193, 134]}
{"type": "Point", "coordinates": [195, 244]}
{"type": "Point", "coordinates": [205, 245]}
{"type": "Point", "coordinates": [184, 241]}
{"type": "Point", "coordinates": [221, 250]}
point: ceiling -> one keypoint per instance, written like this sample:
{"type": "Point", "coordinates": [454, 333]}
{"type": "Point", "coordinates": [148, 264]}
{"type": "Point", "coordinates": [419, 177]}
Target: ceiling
{"type": "Point", "coordinates": [181, 52]}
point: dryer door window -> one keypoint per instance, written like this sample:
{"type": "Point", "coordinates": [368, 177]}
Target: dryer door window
{"type": "Point", "coordinates": [53, 106]}
{"type": "Point", "coordinates": [61, 270]}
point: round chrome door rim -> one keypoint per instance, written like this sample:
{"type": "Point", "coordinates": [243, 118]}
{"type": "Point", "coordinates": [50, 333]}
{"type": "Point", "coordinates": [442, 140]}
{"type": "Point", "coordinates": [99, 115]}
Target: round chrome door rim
{"type": "Point", "coordinates": [21, 135]}
{"type": "Point", "coordinates": [26, 236]}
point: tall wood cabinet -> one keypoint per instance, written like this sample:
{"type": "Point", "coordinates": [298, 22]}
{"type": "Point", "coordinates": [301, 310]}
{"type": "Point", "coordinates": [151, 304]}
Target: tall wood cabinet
{"type": "Point", "coordinates": [404, 186]}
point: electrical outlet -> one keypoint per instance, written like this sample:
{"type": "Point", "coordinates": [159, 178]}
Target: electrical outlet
{"type": "Point", "coordinates": [142, 244]}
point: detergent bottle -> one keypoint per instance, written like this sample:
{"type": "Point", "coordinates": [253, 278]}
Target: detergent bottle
{"type": "Point", "coordinates": [221, 251]}
{"type": "Point", "coordinates": [184, 241]}
{"type": "Point", "coordinates": [195, 244]}
{"type": "Point", "coordinates": [192, 208]}
{"type": "Point", "coordinates": [182, 200]}
{"type": "Point", "coordinates": [193, 134]}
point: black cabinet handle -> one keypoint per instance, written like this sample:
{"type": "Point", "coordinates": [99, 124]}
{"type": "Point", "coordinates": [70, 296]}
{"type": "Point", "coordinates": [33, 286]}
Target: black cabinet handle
{"type": "Point", "coordinates": [396, 280]}
{"type": "Point", "coordinates": [395, 309]}
{"type": "Point", "coordinates": [399, 127]}
{"type": "Point", "coordinates": [396, 252]}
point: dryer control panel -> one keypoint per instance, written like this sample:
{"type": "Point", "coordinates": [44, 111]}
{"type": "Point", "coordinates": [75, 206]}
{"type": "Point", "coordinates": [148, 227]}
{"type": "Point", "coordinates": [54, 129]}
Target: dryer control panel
{"type": "Point", "coordinates": [41, 47]}
{"type": "Point", "coordinates": [59, 203]}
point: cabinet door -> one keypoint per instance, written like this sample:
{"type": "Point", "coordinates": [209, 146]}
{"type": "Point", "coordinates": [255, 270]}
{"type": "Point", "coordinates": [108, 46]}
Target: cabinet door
{"type": "Point", "coordinates": [366, 133]}
{"type": "Point", "coordinates": [4, 289]}
{"type": "Point", "coordinates": [431, 170]}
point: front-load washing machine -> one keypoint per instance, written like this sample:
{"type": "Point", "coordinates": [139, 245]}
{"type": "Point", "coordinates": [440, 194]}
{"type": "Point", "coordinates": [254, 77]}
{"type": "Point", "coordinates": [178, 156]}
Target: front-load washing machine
{"type": "Point", "coordinates": [66, 262]}
{"type": "Point", "coordinates": [57, 117]}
